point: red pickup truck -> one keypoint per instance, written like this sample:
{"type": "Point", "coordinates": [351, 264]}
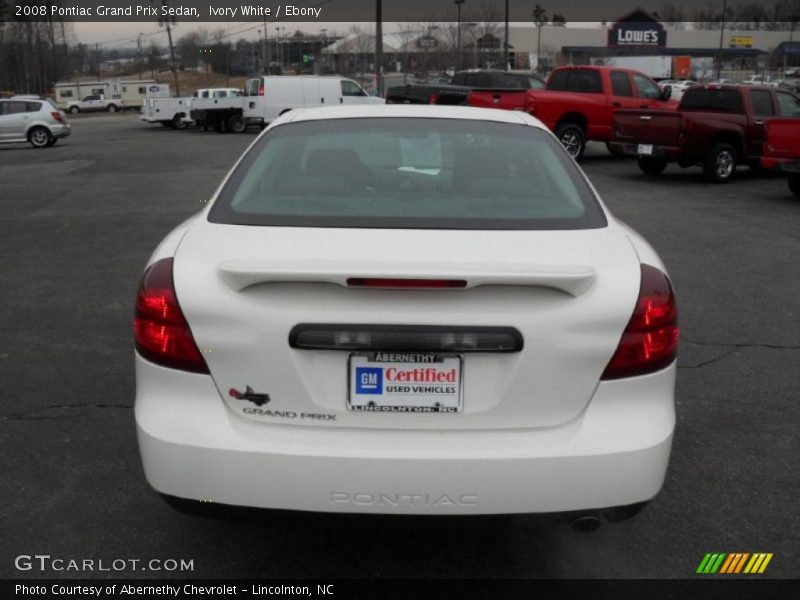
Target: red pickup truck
{"type": "Point", "coordinates": [578, 103]}
{"type": "Point", "coordinates": [782, 150]}
{"type": "Point", "coordinates": [715, 126]}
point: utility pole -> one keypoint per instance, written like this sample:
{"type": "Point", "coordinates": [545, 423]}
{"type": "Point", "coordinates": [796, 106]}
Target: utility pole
{"type": "Point", "coordinates": [97, 60]}
{"type": "Point", "coordinates": [505, 41]}
{"type": "Point", "coordinates": [458, 3]}
{"type": "Point", "coordinates": [379, 47]}
{"type": "Point", "coordinates": [139, 53]}
{"type": "Point", "coordinates": [721, 36]}
{"type": "Point", "coordinates": [539, 19]}
{"type": "Point", "coordinates": [168, 22]}
{"type": "Point", "coordinates": [265, 58]}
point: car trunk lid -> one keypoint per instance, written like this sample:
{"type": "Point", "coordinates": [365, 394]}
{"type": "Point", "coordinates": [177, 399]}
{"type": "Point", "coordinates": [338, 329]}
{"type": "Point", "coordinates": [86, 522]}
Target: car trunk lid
{"type": "Point", "coordinates": [245, 289]}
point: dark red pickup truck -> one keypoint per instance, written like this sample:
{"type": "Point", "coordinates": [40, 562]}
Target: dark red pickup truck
{"type": "Point", "coordinates": [578, 103]}
{"type": "Point", "coordinates": [782, 150]}
{"type": "Point", "coordinates": [716, 127]}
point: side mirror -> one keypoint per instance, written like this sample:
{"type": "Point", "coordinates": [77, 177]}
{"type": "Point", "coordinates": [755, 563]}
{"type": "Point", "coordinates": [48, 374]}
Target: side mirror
{"type": "Point", "coordinates": [666, 93]}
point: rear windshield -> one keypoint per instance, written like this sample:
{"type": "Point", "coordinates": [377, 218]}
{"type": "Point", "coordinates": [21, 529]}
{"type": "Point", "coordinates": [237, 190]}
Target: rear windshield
{"type": "Point", "coordinates": [408, 173]}
{"type": "Point", "coordinates": [713, 100]}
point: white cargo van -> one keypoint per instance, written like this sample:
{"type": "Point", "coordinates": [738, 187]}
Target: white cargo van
{"type": "Point", "coordinates": [268, 97]}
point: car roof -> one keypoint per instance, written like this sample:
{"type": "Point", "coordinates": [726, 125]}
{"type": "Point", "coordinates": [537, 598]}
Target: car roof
{"type": "Point", "coordinates": [412, 111]}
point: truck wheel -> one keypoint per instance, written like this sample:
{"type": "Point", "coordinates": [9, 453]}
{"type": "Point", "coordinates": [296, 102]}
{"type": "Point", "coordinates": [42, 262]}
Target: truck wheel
{"type": "Point", "coordinates": [650, 165]}
{"type": "Point", "coordinates": [39, 137]}
{"type": "Point", "coordinates": [794, 183]}
{"type": "Point", "coordinates": [74, 110]}
{"type": "Point", "coordinates": [112, 108]}
{"type": "Point", "coordinates": [236, 124]}
{"type": "Point", "coordinates": [720, 164]}
{"type": "Point", "coordinates": [177, 122]}
{"type": "Point", "coordinates": [572, 138]}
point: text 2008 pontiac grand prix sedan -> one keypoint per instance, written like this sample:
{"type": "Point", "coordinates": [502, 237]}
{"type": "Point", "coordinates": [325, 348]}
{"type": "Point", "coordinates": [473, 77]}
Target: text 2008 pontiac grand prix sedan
{"type": "Point", "coordinates": [406, 309]}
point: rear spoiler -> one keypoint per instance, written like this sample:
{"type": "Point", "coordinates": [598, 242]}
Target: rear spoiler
{"type": "Point", "coordinates": [571, 279]}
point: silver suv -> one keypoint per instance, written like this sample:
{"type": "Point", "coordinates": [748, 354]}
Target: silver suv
{"type": "Point", "coordinates": [31, 119]}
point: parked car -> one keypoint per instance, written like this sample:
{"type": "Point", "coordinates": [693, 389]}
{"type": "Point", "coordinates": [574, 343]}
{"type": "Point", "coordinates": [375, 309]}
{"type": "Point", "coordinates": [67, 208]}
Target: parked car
{"type": "Point", "coordinates": [267, 97]}
{"type": "Point", "coordinates": [679, 88]}
{"type": "Point", "coordinates": [406, 309]}
{"type": "Point", "coordinates": [94, 103]}
{"type": "Point", "coordinates": [782, 150]}
{"type": "Point", "coordinates": [761, 80]}
{"type": "Point", "coordinates": [456, 91]}
{"type": "Point", "coordinates": [717, 127]}
{"type": "Point", "coordinates": [578, 102]}
{"type": "Point", "coordinates": [32, 119]}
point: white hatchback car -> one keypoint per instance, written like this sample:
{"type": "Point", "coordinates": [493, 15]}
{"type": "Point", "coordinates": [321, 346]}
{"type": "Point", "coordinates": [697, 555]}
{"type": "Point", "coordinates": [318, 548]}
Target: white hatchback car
{"type": "Point", "coordinates": [32, 119]}
{"type": "Point", "coordinates": [406, 309]}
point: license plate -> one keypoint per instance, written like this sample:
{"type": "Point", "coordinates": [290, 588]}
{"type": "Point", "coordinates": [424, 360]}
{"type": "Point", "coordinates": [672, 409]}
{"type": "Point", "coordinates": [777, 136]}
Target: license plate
{"type": "Point", "coordinates": [645, 149]}
{"type": "Point", "coordinates": [405, 382]}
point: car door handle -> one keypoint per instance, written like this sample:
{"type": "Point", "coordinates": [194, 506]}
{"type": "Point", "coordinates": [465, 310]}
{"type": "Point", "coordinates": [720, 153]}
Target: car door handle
{"type": "Point", "coordinates": [616, 104]}
{"type": "Point", "coordinates": [758, 122]}
{"type": "Point", "coordinates": [643, 106]}
{"type": "Point", "coordinates": [645, 118]}
{"type": "Point", "coordinates": [341, 100]}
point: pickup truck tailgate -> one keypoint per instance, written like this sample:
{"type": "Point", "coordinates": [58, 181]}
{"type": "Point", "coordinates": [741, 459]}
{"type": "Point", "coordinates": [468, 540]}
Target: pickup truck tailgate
{"type": "Point", "coordinates": [661, 127]}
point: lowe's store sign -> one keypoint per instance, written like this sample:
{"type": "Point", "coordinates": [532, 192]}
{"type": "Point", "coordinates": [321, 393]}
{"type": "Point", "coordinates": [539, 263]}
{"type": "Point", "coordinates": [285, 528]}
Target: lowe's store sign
{"type": "Point", "coordinates": [642, 31]}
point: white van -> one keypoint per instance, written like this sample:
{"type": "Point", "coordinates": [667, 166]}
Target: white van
{"type": "Point", "coordinates": [268, 97]}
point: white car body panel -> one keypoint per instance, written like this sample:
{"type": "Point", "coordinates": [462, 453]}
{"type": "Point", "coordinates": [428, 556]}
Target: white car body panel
{"type": "Point", "coordinates": [538, 430]}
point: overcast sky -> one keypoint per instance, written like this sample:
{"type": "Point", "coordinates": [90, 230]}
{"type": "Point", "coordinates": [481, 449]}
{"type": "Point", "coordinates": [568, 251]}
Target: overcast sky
{"type": "Point", "coordinates": [89, 33]}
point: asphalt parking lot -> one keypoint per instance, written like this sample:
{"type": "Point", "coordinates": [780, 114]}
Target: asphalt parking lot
{"type": "Point", "coordinates": [78, 223]}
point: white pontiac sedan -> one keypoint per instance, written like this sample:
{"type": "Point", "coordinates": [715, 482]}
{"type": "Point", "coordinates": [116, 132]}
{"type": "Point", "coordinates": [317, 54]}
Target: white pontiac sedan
{"type": "Point", "coordinates": [406, 309]}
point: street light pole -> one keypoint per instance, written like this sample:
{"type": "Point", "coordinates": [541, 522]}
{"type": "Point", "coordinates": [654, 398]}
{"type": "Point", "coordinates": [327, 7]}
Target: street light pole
{"type": "Point", "coordinates": [379, 47]}
{"type": "Point", "coordinates": [458, 4]}
{"type": "Point", "coordinates": [721, 36]}
{"type": "Point", "coordinates": [505, 41]}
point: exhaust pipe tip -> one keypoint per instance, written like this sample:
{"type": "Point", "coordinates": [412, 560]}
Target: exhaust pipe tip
{"type": "Point", "coordinates": [587, 523]}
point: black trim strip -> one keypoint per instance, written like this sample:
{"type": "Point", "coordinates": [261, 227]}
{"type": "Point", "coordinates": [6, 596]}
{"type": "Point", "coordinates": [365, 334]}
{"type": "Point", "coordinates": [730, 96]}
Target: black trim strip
{"type": "Point", "coordinates": [512, 333]}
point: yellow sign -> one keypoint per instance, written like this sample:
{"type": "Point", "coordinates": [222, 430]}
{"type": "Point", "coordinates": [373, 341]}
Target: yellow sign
{"type": "Point", "coordinates": [741, 41]}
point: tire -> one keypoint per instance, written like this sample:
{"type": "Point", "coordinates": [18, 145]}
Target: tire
{"type": "Point", "coordinates": [40, 137]}
{"type": "Point", "coordinates": [236, 124]}
{"type": "Point", "coordinates": [720, 164]}
{"type": "Point", "coordinates": [651, 165]}
{"type": "Point", "coordinates": [74, 110]}
{"type": "Point", "coordinates": [794, 183]}
{"type": "Point", "coordinates": [112, 108]}
{"type": "Point", "coordinates": [572, 138]}
{"type": "Point", "coordinates": [177, 122]}
{"type": "Point", "coordinates": [166, 124]}
{"type": "Point", "coordinates": [53, 141]}
{"type": "Point", "coordinates": [614, 150]}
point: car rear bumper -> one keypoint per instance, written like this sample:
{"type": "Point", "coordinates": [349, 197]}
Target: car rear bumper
{"type": "Point", "coordinates": [615, 453]}
{"type": "Point", "coordinates": [61, 131]}
{"type": "Point", "coordinates": [667, 152]}
{"type": "Point", "coordinates": [787, 165]}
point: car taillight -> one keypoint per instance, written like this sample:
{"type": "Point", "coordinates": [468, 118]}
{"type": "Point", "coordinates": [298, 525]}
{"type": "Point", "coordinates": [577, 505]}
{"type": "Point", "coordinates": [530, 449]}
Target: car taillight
{"type": "Point", "coordinates": [433, 99]}
{"type": "Point", "coordinates": [161, 332]}
{"type": "Point", "coordinates": [650, 341]}
{"type": "Point", "coordinates": [56, 116]}
{"type": "Point", "coordinates": [261, 90]}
